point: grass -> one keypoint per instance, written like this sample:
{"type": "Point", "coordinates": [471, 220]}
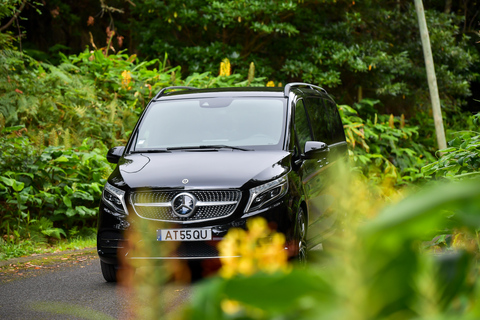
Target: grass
{"type": "Point", "coordinates": [9, 250]}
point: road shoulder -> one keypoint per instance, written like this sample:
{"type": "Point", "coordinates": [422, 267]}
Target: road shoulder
{"type": "Point", "coordinates": [22, 267]}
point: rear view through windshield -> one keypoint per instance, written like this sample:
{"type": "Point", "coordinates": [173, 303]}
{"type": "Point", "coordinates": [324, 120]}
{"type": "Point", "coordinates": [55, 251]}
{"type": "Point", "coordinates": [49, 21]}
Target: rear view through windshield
{"type": "Point", "coordinates": [239, 122]}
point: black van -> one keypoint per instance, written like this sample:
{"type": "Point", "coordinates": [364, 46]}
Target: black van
{"type": "Point", "coordinates": [201, 161]}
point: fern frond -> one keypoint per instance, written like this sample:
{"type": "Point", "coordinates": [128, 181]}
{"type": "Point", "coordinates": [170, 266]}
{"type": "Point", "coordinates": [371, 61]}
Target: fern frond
{"type": "Point", "coordinates": [40, 140]}
{"type": "Point", "coordinates": [67, 143]}
{"type": "Point", "coordinates": [80, 111]}
{"type": "Point", "coordinates": [53, 138]}
{"type": "Point", "coordinates": [113, 110]}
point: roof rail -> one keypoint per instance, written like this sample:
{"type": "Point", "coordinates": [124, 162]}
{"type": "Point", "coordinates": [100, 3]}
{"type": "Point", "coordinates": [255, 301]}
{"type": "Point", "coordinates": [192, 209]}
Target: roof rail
{"type": "Point", "coordinates": [161, 92]}
{"type": "Point", "coordinates": [286, 90]}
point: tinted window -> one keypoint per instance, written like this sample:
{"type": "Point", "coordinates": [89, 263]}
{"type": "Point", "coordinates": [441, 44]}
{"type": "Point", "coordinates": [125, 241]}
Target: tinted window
{"type": "Point", "coordinates": [213, 121]}
{"type": "Point", "coordinates": [322, 128]}
{"type": "Point", "coordinates": [302, 126]}
{"type": "Point", "coordinates": [338, 133]}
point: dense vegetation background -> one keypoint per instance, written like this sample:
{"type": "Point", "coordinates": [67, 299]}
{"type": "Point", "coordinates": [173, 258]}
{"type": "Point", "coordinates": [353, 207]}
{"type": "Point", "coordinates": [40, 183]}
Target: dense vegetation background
{"type": "Point", "coordinates": [76, 70]}
{"type": "Point", "coordinates": [75, 75]}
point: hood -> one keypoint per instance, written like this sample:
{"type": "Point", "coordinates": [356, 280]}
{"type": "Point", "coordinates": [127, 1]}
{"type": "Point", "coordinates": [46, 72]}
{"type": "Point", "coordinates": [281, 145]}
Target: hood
{"type": "Point", "coordinates": [220, 169]}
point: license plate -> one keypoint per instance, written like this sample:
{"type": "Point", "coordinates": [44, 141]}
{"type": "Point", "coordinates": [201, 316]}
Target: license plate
{"type": "Point", "coordinates": [184, 234]}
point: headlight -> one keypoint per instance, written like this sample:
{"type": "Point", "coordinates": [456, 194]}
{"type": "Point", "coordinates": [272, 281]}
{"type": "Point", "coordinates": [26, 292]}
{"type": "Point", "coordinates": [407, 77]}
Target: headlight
{"type": "Point", "coordinates": [266, 193]}
{"type": "Point", "coordinates": [114, 199]}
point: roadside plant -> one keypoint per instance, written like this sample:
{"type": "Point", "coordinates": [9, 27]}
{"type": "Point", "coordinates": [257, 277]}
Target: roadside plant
{"type": "Point", "coordinates": [386, 149]}
{"type": "Point", "coordinates": [48, 192]}
{"type": "Point", "coordinates": [462, 157]}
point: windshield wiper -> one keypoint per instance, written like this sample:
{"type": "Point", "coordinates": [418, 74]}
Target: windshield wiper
{"type": "Point", "coordinates": [150, 150]}
{"type": "Point", "coordinates": [216, 146]}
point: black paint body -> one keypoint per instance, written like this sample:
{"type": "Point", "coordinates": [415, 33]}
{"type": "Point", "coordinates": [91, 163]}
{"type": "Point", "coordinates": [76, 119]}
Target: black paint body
{"type": "Point", "coordinates": [299, 158]}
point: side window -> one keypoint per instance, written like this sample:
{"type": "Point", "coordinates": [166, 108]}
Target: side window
{"type": "Point", "coordinates": [336, 121]}
{"type": "Point", "coordinates": [320, 120]}
{"type": "Point", "coordinates": [302, 125]}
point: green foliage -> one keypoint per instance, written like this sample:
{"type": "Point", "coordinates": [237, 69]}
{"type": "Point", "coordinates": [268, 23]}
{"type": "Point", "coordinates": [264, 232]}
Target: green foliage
{"type": "Point", "coordinates": [385, 147]}
{"type": "Point", "coordinates": [347, 46]}
{"type": "Point", "coordinates": [462, 157]}
{"type": "Point", "coordinates": [43, 193]}
{"type": "Point", "coordinates": [79, 95]}
{"type": "Point", "coordinates": [12, 249]}
{"type": "Point", "coordinates": [90, 95]}
{"type": "Point", "coordinates": [9, 14]}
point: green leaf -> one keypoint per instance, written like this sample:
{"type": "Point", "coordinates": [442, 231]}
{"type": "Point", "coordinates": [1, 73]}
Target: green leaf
{"type": "Point", "coordinates": [18, 186]}
{"type": "Point", "coordinates": [54, 233]}
{"type": "Point", "coordinates": [11, 129]}
{"type": "Point", "coordinates": [85, 212]}
{"type": "Point", "coordinates": [70, 212]}
{"type": "Point", "coordinates": [279, 292]}
{"type": "Point", "coordinates": [448, 150]}
{"type": "Point", "coordinates": [7, 181]}
{"type": "Point", "coordinates": [67, 201]}
{"type": "Point", "coordinates": [207, 299]}
{"type": "Point", "coordinates": [423, 213]}
{"type": "Point", "coordinates": [61, 159]}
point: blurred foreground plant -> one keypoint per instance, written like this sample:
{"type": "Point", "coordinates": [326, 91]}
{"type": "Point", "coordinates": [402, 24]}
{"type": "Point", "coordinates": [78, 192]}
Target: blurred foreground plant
{"type": "Point", "coordinates": [378, 269]}
{"type": "Point", "coordinates": [257, 250]}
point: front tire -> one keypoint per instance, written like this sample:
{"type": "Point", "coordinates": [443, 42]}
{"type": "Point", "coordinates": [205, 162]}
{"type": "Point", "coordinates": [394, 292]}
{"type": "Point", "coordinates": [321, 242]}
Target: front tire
{"type": "Point", "coordinates": [109, 271]}
{"type": "Point", "coordinates": [301, 237]}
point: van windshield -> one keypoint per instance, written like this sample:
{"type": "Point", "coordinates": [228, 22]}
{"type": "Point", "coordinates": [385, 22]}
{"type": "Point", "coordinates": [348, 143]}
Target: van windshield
{"type": "Point", "coordinates": [255, 123]}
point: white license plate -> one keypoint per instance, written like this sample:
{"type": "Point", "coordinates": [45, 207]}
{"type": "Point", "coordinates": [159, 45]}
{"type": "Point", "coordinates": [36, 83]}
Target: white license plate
{"type": "Point", "coordinates": [184, 234]}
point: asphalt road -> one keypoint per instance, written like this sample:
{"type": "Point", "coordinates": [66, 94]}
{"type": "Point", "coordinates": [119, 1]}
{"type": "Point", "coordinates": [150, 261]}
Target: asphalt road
{"type": "Point", "coordinates": [78, 291]}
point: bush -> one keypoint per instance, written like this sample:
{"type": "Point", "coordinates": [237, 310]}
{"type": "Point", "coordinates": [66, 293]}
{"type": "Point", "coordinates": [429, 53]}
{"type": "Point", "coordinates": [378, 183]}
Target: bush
{"type": "Point", "coordinates": [384, 148]}
{"type": "Point", "coordinates": [462, 157]}
{"type": "Point", "coordinates": [50, 190]}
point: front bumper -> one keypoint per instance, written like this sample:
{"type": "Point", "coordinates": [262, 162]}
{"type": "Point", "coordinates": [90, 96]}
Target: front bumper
{"type": "Point", "coordinates": [115, 242]}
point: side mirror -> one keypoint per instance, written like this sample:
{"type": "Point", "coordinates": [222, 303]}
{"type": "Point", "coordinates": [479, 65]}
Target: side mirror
{"type": "Point", "coordinates": [114, 154]}
{"type": "Point", "coordinates": [315, 150]}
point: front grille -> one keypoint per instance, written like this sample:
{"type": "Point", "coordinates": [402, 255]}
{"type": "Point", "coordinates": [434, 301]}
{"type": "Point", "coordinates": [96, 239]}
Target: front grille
{"type": "Point", "coordinates": [212, 204]}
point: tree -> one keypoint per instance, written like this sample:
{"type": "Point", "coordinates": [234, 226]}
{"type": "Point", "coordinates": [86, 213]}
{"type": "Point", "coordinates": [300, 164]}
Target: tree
{"type": "Point", "coordinates": [432, 80]}
{"type": "Point", "coordinates": [10, 10]}
{"type": "Point", "coordinates": [364, 49]}
{"type": "Point", "coordinates": [356, 50]}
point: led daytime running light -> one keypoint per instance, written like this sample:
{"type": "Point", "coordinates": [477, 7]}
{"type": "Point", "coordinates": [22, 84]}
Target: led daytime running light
{"type": "Point", "coordinates": [120, 194]}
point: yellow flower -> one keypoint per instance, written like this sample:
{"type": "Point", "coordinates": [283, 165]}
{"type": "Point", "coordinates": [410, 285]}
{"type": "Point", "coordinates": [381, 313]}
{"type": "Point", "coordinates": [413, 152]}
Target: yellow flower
{"type": "Point", "coordinates": [230, 306]}
{"type": "Point", "coordinates": [126, 79]}
{"type": "Point", "coordinates": [258, 249]}
{"type": "Point", "coordinates": [225, 68]}
{"type": "Point", "coordinates": [270, 84]}
{"type": "Point", "coordinates": [391, 123]}
{"type": "Point", "coordinates": [257, 228]}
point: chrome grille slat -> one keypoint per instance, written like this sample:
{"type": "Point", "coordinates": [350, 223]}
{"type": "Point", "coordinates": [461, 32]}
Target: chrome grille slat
{"type": "Point", "coordinates": [211, 204]}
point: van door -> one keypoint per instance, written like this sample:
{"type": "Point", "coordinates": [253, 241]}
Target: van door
{"type": "Point", "coordinates": [317, 172]}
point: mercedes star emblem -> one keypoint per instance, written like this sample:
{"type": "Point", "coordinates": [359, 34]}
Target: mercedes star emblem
{"type": "Point", "coordinates": [184, 205]}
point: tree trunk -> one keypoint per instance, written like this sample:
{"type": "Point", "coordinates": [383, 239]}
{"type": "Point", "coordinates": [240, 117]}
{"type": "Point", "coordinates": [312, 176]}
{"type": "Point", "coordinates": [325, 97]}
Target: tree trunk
{"type": "Point", "coordinates": [432, 79]}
